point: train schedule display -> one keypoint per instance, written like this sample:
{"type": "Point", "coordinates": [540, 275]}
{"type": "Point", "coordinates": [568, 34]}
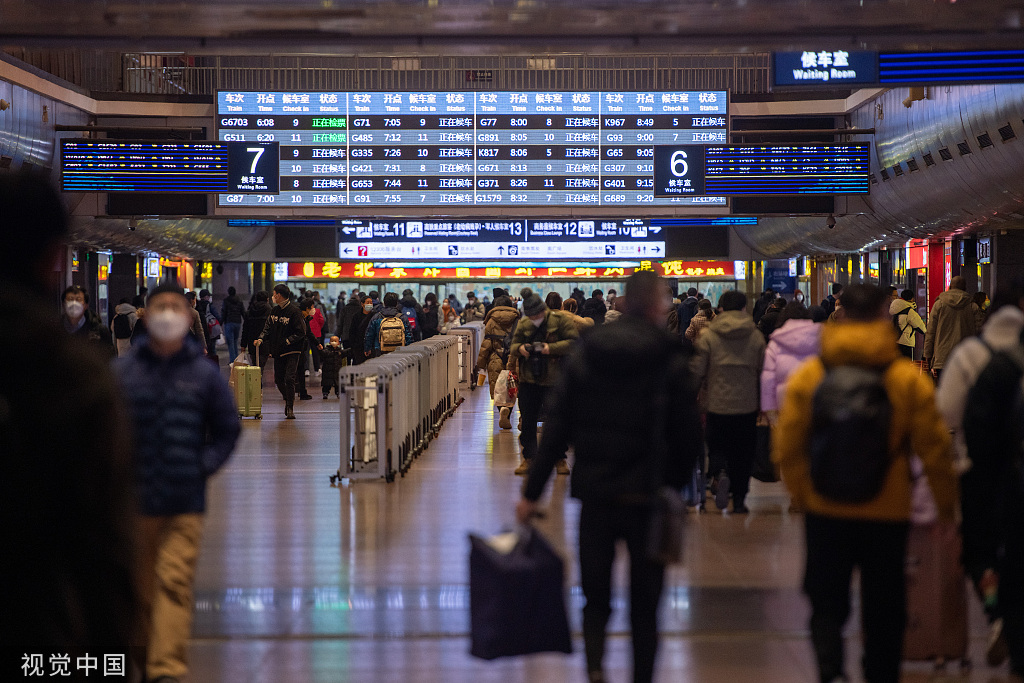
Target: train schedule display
{"type": "Point", "coordinates": [509, 150]}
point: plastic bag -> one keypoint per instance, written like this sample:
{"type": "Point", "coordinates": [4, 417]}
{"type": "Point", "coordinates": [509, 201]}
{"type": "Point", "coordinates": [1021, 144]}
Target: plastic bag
{"type": "Point", "coordinates": [242, 359]}
{"type": "Point", "coordinates": [502, 396]}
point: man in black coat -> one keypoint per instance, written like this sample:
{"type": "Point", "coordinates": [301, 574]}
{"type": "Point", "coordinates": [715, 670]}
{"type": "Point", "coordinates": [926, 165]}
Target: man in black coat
{"type": "Point", "coordinates": [284, 333]}
{"type": "Point", "coordinates": [636, 370]}
{"type": "Point", "coordinates": [347, 314]}
{"type": "Point", "coordinates": [595, 308]}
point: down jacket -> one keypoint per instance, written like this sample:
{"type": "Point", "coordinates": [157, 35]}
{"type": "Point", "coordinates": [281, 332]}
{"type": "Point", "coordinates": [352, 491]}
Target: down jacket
{"type": "Point", "coordinates": [729, 355]}
{"type": "Point", "coordinates": [790, 345]}
{"type": "Point", "coordinates": [909, 320]}
{"type": "Point", "coordinates": [499, 323]}
{"type": "Point", "coordinates": [558, 332]}
{"type": "Point", "coordinates": [952, 319]}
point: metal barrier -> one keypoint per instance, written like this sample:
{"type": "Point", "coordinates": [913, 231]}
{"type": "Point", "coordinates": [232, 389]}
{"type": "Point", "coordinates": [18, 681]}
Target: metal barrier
{"type": "Point", "coordinates": [470, 336]}
{"type": "Point", "coordinates": [392, 407]}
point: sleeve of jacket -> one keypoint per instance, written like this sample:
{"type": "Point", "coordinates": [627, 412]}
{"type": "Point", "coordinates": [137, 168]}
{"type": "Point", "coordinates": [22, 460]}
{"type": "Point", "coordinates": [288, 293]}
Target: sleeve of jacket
{"type": "Point", "coordinates": [554, 440]}
{"type": "Point", "coordinates": [929, 439]}
{"type": "Point", "coordinates": [769, 399]}
{"type": "Point", "coordinates": [266, 328]}
{"type": "Point", "coordinates": [485, 352]}
{"type": "Point", "coordinates": [929, 337]}
{"type": "Point", "coordinates": [221, 422]}
{"type": "Point", "coordinates": [311, 338]}
{"type": "Point", "coordinates": [685, 435]}
{"type": "Point", "coordinates": [701, 359]}
{"type": "Point", "coordinates": [791, 435]}
{"type": "Point", "coordinates": [372, 333]}
{"type": "Point", "coordinates": [567, 335]}
{"type": "Point", "coordinates": [299, 329]}
{"type": "Point", "coordinates": [519, 338]}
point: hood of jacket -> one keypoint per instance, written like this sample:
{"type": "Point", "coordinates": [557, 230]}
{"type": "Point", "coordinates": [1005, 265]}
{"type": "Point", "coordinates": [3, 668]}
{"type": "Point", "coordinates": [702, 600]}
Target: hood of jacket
{"type": "Point", "coordinates": [408, 301]}
{"type": "Point", "coordinates": [504, 316]}
{"type": "Point", "coordinates": [869, 344]}
{"type": "Point", "coordinates": [388, 312]}
{"type": "Point", "coordinates": [127, 309]}
{"type": "Point", "coordinates": [259, 309]}
{"type": "Point", "coordinates": [799, 338]}
{"type": "Point", "coordinates": [1003, 327]}
{"type": "Point", "coordinates": [955, 298]}
{"type": "Point", "coordinates": [899, 306]}
{"type": "Point", "coordinates": [733, 325]}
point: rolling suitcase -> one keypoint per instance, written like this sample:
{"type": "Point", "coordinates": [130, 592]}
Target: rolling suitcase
{"type": "Point", "coordinates": [936, 596]}
{"type": "Point", "coordinates": [248, 390]}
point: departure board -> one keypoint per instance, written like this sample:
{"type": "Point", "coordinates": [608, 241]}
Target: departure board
{"type": "Point", "coordinates": [143, 166]}
{"type": "Point", "coordinates": [469, 149]}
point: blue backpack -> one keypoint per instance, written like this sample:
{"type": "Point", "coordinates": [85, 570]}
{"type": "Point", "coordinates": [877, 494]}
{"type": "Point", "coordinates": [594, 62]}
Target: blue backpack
{"type": "Point", "coordinates": [410, 314]}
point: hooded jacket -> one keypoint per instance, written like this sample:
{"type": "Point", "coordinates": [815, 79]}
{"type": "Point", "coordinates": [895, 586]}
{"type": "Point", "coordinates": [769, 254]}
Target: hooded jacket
{"type": "Point", "coordinates": [371, 341]}
{"type": "Point", "coordinates": [185, 424]}
{"type": "Point", "coordinates": [285, 330]}
{"type": "Point", "coordinates": [232, 310]}
{"type": "Point", "coordinates": [789, 347]}
{"type": "Point", "coordinates": [916, 426]}
{"type": "Point", "coordinates": [255, 321]}
{"type": "Point", "coordinates": [638, 372]}
{"type": "Point", "coordinates": [909, 320]}
{"type": "Point", "coordinates": [126, 310]}
{"type": "Point", "coordinates": [729, 354]}
{"type": "Point", "coordinates": [499, 323]}
{"type": "Point", "coordinates": [558, 332]}
{"type": "Point", "coordinates": [952, 319]}
{"type": "Point", "coordinates": [348, 313]}
{"type": "Point", "coordinates": [1002, 332]}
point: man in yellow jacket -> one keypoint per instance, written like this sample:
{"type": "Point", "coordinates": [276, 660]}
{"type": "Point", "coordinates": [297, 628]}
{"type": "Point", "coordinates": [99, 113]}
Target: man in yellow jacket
{"type": "Point", "coordinates": [871, 535]}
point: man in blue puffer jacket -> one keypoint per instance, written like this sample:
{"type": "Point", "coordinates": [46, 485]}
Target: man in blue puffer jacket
{"type": "Point", "coordinates": [185, 427]}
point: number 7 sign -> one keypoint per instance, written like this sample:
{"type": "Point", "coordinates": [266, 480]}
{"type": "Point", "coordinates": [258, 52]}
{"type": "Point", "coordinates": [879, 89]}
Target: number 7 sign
{"type": "Point", "coordinates": [254, 168]}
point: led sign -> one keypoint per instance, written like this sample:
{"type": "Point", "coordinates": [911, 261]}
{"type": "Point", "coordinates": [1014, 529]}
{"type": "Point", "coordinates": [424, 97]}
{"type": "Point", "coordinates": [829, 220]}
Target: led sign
{"type": "Point", "coordinates": [834, 68]}
{"type": "Point", "coordinates": [340, 270]}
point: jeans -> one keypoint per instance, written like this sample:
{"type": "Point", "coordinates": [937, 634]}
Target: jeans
{"type": "Point", "coordinates": [601, 525]}
{"type": "Point", "coordinates": [732, 443]}
{"type": "Point", "coordinates": [834, 547]}
{"type": "Point", "coordinates": [232, 331]}
{"type": "Point", "coordinates": [169, 550]}
{"type": "Point", "coordinates": [531, 401]}
{"type": "Point", "coordinates": [284, 376]}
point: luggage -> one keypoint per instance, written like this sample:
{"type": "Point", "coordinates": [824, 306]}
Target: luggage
{"type": "Point", "coordinates": [248, 384]}
{"type": "Point", "coordinates": [516, 596]}
{"type": "Point", "coordinates": [936, 595]}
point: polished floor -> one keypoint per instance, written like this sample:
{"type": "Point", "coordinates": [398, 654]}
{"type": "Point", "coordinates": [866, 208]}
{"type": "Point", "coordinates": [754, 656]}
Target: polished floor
{"type": "Point", "coordinates": [303, 581]}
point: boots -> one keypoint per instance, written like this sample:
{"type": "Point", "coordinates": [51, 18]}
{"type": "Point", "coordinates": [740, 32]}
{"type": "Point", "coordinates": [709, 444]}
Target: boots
{"type": "Point", "coordinates": [503, 421]}
{"type": "Point", "coordinates": [289, 412]}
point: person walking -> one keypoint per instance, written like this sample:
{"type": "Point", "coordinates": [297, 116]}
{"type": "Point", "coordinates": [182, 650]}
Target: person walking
{"type": "Point", "coordinates": [255, 321]}
{"type": "Point", "coordinates": [208, 314]}
{"type": "Point", "coordinates": [346, 314]}
{"type": "Point", "coordinates": [687, 308]}
{"type": "Point", "coordinates": [699, 322]}
{"type": "Point", "coordinates": [387, 330]}
{"type": "Point", "coordinates": [334, 360]}
{"type": "Point", "coordinates": [185, 427]}
{"type": "Point", "coordinates": [430, 315]}
{"type": "Point", "coordinates": [569, 307]}
{"type": "Point", "coordinates": [860, 409]}
{"type": "Point", "coordinates": [633, 367]}
{"type": "Point", "coordinates": [309, 344]}
{"type": "Point", "coordinates": [907, 322]}
{"type": "Point", "coordinates": [595, 308]}
{"type": "Point", "coordinates": [233, 313]}
{"type": "Point", "coordinates": [770, 320]}
{"type": "Point", "coordinates": [829, 302]}
{"type": "Point", "coordinates": [796, 339]}
{"type": "Point", "coordinates": [83, 324]}
{"type": "Point", "coordinates": [499, 327]}
{"type": "Point", "coordinates": [284, 333]}
{"type": "Point", "coordinates": [730, 356]}
{"type": "Point", "coordinates": [413, 313]}
{"type": "Point", "coordinates": [474, 309]}
{"type": "Point", "coordinates": [357, 332]}
{"type": "Point", "coordinates": [542, 338]}
{"type": "Point", "coordinates": [122, 325]}
{"type": "Point", "coordinates": [198, 328]}
{"type": "Point", "coordinates": [952, 319]}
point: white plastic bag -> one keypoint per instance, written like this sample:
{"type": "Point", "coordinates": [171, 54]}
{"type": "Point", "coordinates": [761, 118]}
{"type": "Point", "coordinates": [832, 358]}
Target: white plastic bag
{"type": "Point", "coordinates": [502, 398]}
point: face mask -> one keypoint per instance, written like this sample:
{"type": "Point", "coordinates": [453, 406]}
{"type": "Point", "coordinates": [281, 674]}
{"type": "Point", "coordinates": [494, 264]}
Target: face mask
{"type": "Point", "coordinates": [536, 323]}
{"type": "Point", "coordinates": [368, 307]}
{"type": "Point", "coordinates": [167, 326]}
{"type": "Point", "coordinates": [74, 309]}
{"type": "Point", "coordinates": [799, 297]}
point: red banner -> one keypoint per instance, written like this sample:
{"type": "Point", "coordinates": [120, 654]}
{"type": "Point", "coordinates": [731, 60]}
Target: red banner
{"type": "Point", "coordinates": [346, 270]}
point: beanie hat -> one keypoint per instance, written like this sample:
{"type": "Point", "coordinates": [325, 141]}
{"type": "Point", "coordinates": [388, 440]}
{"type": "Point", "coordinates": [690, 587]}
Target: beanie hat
{"type": "Point", "coordinates": [532, 304]}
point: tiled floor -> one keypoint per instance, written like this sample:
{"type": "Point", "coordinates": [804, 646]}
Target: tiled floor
{"type": "Point", "coordinates": [301, 581]}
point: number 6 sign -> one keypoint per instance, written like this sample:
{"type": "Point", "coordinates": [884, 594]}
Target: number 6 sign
{"type": "Point", "coordinates": [678, 170]}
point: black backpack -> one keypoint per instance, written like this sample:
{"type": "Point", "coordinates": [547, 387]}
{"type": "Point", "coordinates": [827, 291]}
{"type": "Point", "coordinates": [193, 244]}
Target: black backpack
{"type": "Point", "coordinates": [994, 412]}
{"type": "Point", "coordinates": [849, 440]}
{"type": "Point", "coordinates": [122, 327]}
{"type": "Point", "coordinates": [896, 321]}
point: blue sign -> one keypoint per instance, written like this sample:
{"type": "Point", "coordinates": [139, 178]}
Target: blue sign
{"type": "Point", "coordinates": [825, 68]}
{"type": "Point", "coordinates": [951, 67]}
{"type": "Point", "coordinates": [780, 280]}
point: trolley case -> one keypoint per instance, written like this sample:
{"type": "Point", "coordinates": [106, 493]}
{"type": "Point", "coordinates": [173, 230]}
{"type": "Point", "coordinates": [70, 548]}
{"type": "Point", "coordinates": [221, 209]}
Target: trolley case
{"type": "Point", "coordinates": [248, 384]}
{"type": "Point", "coordinates": [936, 595]}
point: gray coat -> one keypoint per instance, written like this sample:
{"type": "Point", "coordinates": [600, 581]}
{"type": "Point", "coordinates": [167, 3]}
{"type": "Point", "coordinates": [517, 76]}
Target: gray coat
{"type": "Point", "coordinates": [729, 355]}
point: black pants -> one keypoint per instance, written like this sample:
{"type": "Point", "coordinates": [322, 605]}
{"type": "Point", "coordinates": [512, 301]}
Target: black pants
{"type": "Point", "coordinates": [315, 352]}
{"type": "Point", "coordinates": [834, 548]}
{"type": "Point", "coordinates": [300, 372]}
{"type": "Point", "coordinates": [907, 351]}
{"type": "Point", "coordinates": [284, 376]}
{"type": "Point", "coordinates": [732, 443]}
{"type": "Point", "coordinates": [601, 525]}
{"type": "Point", "coordinates": [531, 401]}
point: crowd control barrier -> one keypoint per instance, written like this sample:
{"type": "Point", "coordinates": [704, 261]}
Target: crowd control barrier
{"type": "Point", "coordinates": [470, 336]}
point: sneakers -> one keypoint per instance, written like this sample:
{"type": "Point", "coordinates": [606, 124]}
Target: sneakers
{"type": "Point", "coordinates": [562, 467]}
{"type": "Point", "coordinates": [524, 466]}
{"type": "Point", "coordinates": [503, 420]}
{"type": "Point", "coordinates": [722, 491]}
{"type": "Point", "coordinates": [997, 650]}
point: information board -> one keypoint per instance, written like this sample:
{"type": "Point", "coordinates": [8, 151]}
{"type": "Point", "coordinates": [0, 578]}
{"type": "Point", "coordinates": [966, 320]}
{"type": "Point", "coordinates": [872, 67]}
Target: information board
{"type": "Point", "coordinates": [734, 170]}
{"type": "Point", "coordinates": [143, 166]}
{"type": "Point", "coordinates": [456, 149]}
{"type": "Point", "coordinates": [499, 238]}
{"type": "Point", "coordinates": [424, 273]}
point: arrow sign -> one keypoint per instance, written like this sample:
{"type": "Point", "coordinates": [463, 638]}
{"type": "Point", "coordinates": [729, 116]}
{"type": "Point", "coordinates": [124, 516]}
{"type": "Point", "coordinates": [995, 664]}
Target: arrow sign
{"type": "Point", "coordinates": [347, 250]}
{"type": "Point", "coordinates": [655, 229]}
{"type": "Point", "coordinates": [656, 250]}
{"type": "Point", "coordinates": [348, 231]}
{"type": "Point", "coordinates": [501, 251]}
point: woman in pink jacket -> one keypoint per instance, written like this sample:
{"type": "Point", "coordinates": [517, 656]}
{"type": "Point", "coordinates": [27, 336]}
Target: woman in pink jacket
{"type": "Point", "coordinates": [795, 340]}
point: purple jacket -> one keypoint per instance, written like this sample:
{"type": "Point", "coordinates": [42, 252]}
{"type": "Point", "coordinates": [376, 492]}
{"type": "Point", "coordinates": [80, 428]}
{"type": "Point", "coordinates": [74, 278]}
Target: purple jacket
{"type": "Point", "coordinates": [789, 346]}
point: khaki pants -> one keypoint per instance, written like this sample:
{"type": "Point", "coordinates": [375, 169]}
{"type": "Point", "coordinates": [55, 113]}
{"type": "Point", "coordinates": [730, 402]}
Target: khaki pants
{"type": "Point", "coordinates": [168, 552]}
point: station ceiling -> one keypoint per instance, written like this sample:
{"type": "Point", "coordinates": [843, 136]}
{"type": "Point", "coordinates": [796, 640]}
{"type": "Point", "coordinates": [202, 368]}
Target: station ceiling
{"type": "Point", "coordinates": [498, 26]}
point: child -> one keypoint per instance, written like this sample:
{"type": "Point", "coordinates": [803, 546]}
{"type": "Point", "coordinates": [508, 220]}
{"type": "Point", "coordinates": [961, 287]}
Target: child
{"type": "Point", "coordinates": [333, 360]}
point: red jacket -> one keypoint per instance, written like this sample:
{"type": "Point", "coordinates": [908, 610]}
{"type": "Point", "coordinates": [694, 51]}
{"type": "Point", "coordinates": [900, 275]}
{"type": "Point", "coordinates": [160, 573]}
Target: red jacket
{"type": "Point", "coordinates": [316, 323]}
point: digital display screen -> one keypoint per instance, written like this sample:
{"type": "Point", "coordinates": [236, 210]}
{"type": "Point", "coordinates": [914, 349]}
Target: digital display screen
{"type": "Point", "coordinates": [459, 149]}
{"type": "Point", "coordinates": [951, 67]}
{"type": "Point", "coordinates": [499, 238]}
{"type": "Point", "coordinates": [735, 170]}
{"type": "Point", "coordinates": [143, 166]}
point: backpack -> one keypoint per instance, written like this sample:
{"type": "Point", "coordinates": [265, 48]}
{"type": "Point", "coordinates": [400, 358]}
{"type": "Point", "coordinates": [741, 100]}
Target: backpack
{"type": "Point", "coordinates": [211, 322]}
{"type": "Point", "coordinates": [849, 439]}
{"type": "Point", "coordinates": [410, 313]}
{"type": "Point", "coordinates": [829, 304]}
{"type": "Point", "coordinates": [391, 334]}
{"type": "Point", "coordinates": [993, 413]}
{"type": "Point", "coordinates": [896, 322]}
{"type": "Point", "coordinates": [122, 327]}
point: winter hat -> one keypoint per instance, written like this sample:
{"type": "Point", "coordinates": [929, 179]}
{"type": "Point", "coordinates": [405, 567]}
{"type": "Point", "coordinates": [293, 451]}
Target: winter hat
{"type": "Point", "coordinates": [499, 292]}
{"type": "Point", "coordinates": [532, 304]}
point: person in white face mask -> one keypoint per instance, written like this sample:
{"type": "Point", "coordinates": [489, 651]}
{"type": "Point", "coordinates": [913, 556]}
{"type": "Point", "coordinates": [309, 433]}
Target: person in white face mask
{"type": "Point", "coordinates": [81, 323]}
{"type": "Point", "coordinates": [185, 427]}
